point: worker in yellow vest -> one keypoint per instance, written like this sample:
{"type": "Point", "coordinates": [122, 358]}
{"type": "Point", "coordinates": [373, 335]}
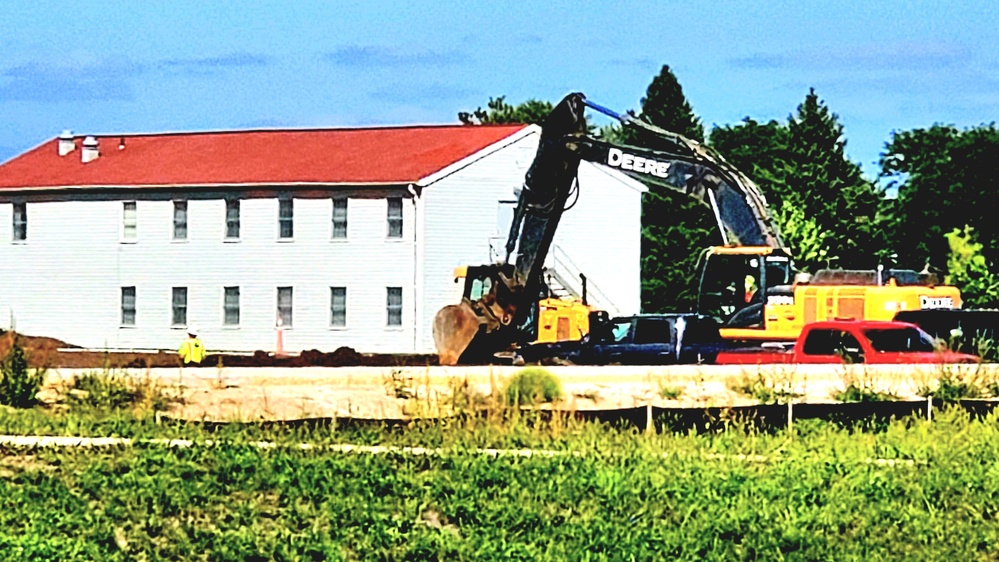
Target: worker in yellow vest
{"type": "Point", "coordinates": [192, 350]}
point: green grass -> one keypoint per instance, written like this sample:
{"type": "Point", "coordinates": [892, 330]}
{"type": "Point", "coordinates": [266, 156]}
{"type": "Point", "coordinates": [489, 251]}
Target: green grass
{"type": "Point", "coordinates": [822, 493]}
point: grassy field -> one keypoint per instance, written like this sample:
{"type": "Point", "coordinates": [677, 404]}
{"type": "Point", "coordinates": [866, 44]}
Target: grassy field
{"type": "Point", "coordinates": [911, 490]}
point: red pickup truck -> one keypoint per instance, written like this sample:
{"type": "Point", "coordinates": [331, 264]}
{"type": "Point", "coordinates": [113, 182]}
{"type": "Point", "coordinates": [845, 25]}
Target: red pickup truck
{"type": "Point", "coordinates": [848, 341]}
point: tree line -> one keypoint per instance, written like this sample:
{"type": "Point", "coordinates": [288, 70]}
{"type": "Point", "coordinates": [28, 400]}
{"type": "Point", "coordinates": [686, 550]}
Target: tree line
{"type": "Point", "coordinates": [930, 211]}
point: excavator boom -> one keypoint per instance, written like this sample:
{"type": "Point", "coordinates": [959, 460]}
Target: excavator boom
{"type": "Point", "coordinates": [479, 326]}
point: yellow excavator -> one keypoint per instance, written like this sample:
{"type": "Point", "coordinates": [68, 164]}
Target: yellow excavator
{"type": "Point", "coordinates": [748, 283]}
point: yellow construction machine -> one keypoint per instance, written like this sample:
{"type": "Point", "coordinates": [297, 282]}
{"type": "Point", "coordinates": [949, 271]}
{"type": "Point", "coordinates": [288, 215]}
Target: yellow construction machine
{"type": "Point", "coordinates": [748, 283]}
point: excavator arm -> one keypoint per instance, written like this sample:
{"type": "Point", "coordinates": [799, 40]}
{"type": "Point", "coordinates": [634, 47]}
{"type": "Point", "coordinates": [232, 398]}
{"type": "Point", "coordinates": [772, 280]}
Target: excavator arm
{"type": "Point", "coordinates": [483, 324]}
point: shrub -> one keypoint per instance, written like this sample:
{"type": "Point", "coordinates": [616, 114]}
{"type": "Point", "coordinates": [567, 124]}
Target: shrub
{"type": "Point", "coordinates": [18, 386]}
{"type": "Point", "coordinates": [951, 389]}
{"type": "Point", "coordinates": [107, 389]}
{"type": "Point", "coordinates": [532, 385]}
{"type": "Point", "coordinates": [764, 389]}
{"type": "Point", "coordinates": [862, 393]}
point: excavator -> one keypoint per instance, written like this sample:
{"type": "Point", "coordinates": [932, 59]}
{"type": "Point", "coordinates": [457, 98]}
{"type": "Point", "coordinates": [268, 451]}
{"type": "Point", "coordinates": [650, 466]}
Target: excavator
{"type": "Point", "coordinates": [748, 283]}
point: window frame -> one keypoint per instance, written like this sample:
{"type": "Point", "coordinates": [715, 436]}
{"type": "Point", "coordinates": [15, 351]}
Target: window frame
{"type": "Point", "coordinates": [178, 205]}
{"type": "Point", "coordinates": [123, 311]}
{"type": "Point", "coordinates": [346, 219]}
{"type": "Point", "coordinates": [225, 307]}
{"type": "Point", "coordinates": [390, 308]}
{"type": "Point", "coordinates": [290, 202]}
{"type": "Point", "coordinates": [173, 307]}
{"type": "Point", "coordinates": [123, 234]}
{"type": "Point", "coordinates": [23, 223]}
{"type": "Point", "coordinates": [391, 220]}
{"type": "Point", "coordinates": [333, 311]}
{"type": "Point", "coordinates": [278, 315]}
{"type": "Point", "coordinates": [227, 221]}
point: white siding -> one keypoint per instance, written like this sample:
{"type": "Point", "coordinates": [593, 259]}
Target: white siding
{"type": "Point", "coordinates": [65, 282]}
{"type": "Point", "coordinates": [601, 234]}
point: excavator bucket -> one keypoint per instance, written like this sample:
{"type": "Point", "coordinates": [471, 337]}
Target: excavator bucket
{"type": "Point", "coordinates": [455, 326]}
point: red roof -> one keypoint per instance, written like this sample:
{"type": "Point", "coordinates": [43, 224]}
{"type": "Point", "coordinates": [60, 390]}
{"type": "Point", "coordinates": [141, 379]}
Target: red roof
{"type": "Point", "coordinates": [393, 155]}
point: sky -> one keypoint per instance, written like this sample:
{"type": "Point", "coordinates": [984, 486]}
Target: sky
{"type": "Point", "coordinates": [123, 67]}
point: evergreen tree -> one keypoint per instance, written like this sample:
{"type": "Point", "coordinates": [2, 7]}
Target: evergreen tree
{"type": "Point", "coordinates": [758, 150]}
{"type": "Point", "coordinates": [675, 227]}
{"type": "Point", "coordinates": [831, 191]}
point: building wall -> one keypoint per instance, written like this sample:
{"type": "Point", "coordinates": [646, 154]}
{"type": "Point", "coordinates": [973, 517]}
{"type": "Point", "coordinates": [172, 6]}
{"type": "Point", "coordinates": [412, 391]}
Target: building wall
{"type": "Point", "coordinates": [601, 234]}
{"type": "Point", "coordinates": [65, 281]}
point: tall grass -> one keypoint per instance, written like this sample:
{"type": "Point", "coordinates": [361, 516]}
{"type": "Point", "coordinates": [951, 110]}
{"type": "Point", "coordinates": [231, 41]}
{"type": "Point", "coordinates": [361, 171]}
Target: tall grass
{"type": "Point", "coordinates": [915, 490]}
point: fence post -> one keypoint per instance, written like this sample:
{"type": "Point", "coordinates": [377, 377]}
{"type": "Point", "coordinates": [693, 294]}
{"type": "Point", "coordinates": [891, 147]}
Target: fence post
{"type": "Point", "coordinates": [649, 425]}
{"type": "Point", "coordinates": [790, 416]}
{"type": "Point", "coordinates": [929, 408]}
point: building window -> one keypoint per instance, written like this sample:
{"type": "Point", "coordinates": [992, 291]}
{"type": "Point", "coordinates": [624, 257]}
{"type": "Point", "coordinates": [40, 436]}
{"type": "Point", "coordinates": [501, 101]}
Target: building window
{"type": "Point", "coordinates": [180, 220]}
{"type": "Point", "coordinates": [128, 306]}
{"type": "Point", "coordinates": [395, 217]}
{"type": "Point", "coordinates": [130, 221]}
{"type": "Point", "coordinates": [20, 222]}
{"type": "Point", "coordinates": [179, 300]}
{"type": "Point", "coordinates": [394, 306]}
{"type": "Point", "coordinates": [340, 219]}
{"type": "Point", "coordinates": [284, 306]}
{"type": "Point", "coordinates": [230, 306]}
{"type": "Point", "coordinates": [232, 219]}
{"type": "Point", "coordinates": [286, 218]}
{"type": "Point", "coordinates": [338, 307]}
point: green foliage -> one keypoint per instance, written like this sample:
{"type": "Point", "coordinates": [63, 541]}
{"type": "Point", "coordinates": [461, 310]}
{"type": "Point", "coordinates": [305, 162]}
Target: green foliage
{"type": "Point", "coordinates": [109, 389]}
{"type": "Point", "coordinates": [969, 271]}
{"type": "Point", "coordinates": [914, 490]}
{"type": "Point", "coordinates": [945, 180]}
{"type": "Point", "coordinates": [19, 385]}
{"type": "Point", "coordinates": [670, 392]}
{"type": "Point", "coordinates": [532, 385]}
{"type": "Point", "coordinates": [862, 393]}
{"type": "Point", "coordinates": [831, 191]}
{"type": "Point", "coordinates": [828, 214]}
{"type": "Point", "coordinates": [764, 388]}
{"type": "Point", "coordinates": [499, 112]}
{"type": "Point", "coordinates": [675, 227]}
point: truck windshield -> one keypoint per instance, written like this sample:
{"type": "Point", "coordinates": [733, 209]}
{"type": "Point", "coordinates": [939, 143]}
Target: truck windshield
{"type": "Point", "coordinates": [900, 339]}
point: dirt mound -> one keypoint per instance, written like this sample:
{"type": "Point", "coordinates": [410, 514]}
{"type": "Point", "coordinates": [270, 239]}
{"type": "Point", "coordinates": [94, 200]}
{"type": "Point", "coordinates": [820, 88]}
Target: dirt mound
{"type": "Point", "coordinates": [342, 357]}
{"type": "Point", "coordinates": [53, 353]}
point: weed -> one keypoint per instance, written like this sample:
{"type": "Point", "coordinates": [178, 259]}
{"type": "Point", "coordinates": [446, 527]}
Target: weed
{"type": "Point", "coordinates": [670, 392]}
{"type": "Point", "coordinates": [766, 390]}
{"type": "Point", "coordinates": [18, 385]}
{"type": "Point", "coordinates": [957, 382]}
{"type": "Point", "coordinates": [862, 393]}
{"type": "Point", "coordinates": [861, 386]}
{"type": "Point", "coordinates": [110, 389]}
{"type": "Point", "coordinates": [532, 385]}
{"type": "Point", "coordinates": [398, 384]}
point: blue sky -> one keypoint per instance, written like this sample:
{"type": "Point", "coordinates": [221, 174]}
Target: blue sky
{"type": "Point", "coordinates": [101, 67]}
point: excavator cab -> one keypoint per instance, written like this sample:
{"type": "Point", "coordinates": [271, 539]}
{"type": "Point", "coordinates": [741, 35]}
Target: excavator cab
{"type": "Point", "coordinates": [736, 282]}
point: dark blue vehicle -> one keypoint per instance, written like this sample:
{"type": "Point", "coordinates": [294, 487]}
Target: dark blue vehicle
{"type": "Point", "coordinates": [644, 339]}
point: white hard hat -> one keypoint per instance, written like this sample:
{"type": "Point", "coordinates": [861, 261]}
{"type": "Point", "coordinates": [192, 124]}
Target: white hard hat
{"type": "Point", "coordinates": [193, 330]}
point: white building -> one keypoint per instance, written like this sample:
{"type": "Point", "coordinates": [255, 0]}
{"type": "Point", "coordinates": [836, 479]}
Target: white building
{"type": "Point", "coordinates": [348, 237]}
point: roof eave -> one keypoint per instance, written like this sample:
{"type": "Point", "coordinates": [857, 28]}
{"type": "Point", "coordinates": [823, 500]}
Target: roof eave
{"type": "Point", "coordinates": [187, 186]}
{"type": "Point", "coordinates": [455, 167]}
